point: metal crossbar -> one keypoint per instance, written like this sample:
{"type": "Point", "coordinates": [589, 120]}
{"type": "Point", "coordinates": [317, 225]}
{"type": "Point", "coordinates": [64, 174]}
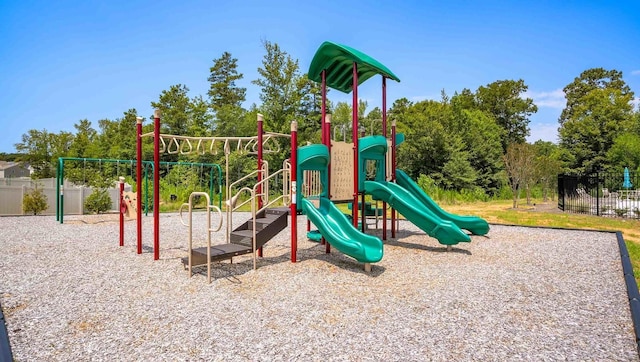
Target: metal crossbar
{"type": "Point", "coordinates": [184, 145]}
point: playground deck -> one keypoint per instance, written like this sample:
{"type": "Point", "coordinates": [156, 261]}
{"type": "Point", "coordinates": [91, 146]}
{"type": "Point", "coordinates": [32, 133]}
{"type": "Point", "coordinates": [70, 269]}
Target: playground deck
{"type": "Point", "coordinates": [521, 294]}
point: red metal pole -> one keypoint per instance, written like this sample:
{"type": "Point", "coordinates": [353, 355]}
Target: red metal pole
{"type": "Point", "coordinates": [307, 176]}
{"type": "Point", "coordinates": [323, 128]}
{"type": "Point", "coordinates": [139, 183]}
{"type": "Point", "coordinates": [294, 188]}
{"type": "Point", "coordinates": [121, 210]}
{"type": "Point", "coordinates": [363, 215]}
{"type": "Point", "coordinates": [260, 132]}
{"type": "Point", "coordinates": [354, 135]}
{"type": "Point", "coordinates": [323, 109]}
{"type": "Point", "coordinates": [384, 133]}
{"type": "Point", "coordinates": [393, 174]}
{"type": "Point", "coordinates": [156, 185]}
{"type": "Point", "coordinates": [327, 121]}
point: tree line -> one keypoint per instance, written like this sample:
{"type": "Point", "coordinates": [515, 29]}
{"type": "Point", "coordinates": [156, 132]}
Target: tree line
{"type": "Point", "coordinates": [471, 141]}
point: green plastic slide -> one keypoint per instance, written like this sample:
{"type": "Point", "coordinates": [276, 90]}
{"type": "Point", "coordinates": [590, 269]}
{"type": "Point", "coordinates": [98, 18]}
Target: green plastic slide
{"type": "Point", "coordinates": [474, 224]}
{"type": "Point", "coordinates": [405, 203]}
{"type": "Point", "coordinates": [338, 231]}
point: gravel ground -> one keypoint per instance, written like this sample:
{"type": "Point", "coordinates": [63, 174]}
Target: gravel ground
{"type": "Point", "coordinates": [70, 293]}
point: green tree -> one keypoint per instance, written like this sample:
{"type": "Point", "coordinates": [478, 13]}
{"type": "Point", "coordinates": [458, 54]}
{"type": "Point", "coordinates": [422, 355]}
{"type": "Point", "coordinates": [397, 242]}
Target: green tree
{"type": "Point", "coordinates": [201, 119]}
{"type": "Point", "coordinates": [429, 148]}
{"type": "Point", "coordinates": [503, 100]}
{"type": "Point", "coordinates": [547, 165]}
{"type": "Point", "coordinates": [373, 122]}
{"type": "Point", "coordinates": [175, 106]}
{"type": "Point", "coordinates": [482, 137]}
{"type": "Point", "coordinates": [599, 109]}
{"type": "Point", "coordinates": [519, 164]}
{"type": "Point", "coordinates": [399, 110]}
{"type": "Point", "coordinates": [85, 140]}
{"type": "Point", "coordinates": [117, 139]}
{"type": "Point", "coordinates": [310, 110]}
{"type": "Point", "coordinates": [9, 157]}
{"type": "Point", "coordinates": [223, 90]}
{"type": "Point", "coordinates": [341, 120]}
{"type": "Point", "coordinates": [589, 80]}
{"type": "Point", "coordinates": [602, 116]}
{"type": "Point", "coordinates": [235, 121]}
{"type": "Point", "coordinates": [362, 110]}
{"type": "Point", "coordinates": [466, 99]}
{"type": "Point", "coordinates": [225, 97]}
{"type": "Point", "coordinates": [41, 150]}
{"type": "Point", "coordinates": [625, 152]}
{"type": "Point", "coordinates": [281, 90]}
{"type": "Point", "coordinates": [457, 172]}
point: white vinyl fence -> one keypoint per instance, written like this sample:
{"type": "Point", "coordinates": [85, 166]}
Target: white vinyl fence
{"type": "Point", "coordinates": [12, 190]}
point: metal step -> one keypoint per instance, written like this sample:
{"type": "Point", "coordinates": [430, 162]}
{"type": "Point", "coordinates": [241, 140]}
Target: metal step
{"type": "Point", "coordinates": [268, 224]}
{"type": "Point", "coordinates": [262, 222]}
{"type": "Point", "coordinates": [218, 252]}
{"type": "Point", "coordinates": [242, 237]}
{"type": "Point", "coordinates": [278, 211]}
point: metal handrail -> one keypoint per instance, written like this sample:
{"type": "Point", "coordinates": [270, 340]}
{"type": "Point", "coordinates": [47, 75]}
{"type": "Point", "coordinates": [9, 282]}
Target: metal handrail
{"type": "Point", "coordinates": [254, 194]}
{"type": "Point", "coordinates": [253, 173]}
{"type": "Point", "coordinates": [209, 229]}
{"type": "Point", "coordinates": [284, 173]}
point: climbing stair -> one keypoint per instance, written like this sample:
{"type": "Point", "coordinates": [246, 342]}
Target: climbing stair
{"type": "Point", "coordinates": [269, 223]}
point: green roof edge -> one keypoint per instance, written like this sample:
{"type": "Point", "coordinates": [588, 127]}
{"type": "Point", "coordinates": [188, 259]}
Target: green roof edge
{"type": "Point", "coordinates": [338, 59]}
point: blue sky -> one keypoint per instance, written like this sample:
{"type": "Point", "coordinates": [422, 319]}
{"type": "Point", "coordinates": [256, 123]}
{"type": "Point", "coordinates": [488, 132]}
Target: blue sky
{"type": "Point", "coordinates": [63, 61]}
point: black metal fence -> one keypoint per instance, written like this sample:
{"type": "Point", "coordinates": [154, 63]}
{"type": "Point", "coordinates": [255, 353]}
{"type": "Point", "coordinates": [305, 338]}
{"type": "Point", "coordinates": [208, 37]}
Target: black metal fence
{"type": "Point", "coordinates": [600, 194]}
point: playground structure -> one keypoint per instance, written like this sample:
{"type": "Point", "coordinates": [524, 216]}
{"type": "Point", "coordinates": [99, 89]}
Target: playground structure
{"type": "Point", "coordinates": [245, 239]}
{"type": "Point", "coordinates": [325, 173]}
{"type": "Point", "coordinates": [344, 68]}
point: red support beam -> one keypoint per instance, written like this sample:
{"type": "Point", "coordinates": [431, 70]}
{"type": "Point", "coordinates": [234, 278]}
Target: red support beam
{"type": "Point", "coordinates": [122, 209]}
{"type": "Point", "coordinates": [260, 133]}
{"type": "Point", "coordinates": [384, 133]}
{"type": "Point", "coordinates": [327, 246]}
{"type": "Point", "coordinates": [156, 184]}
{"type": "Point", "coordinates": [393, 174]}
{"type": "Point", "coordinates": [323, 109]}
{"type": "Point", "coordinates": [139, 183]}
{"type": "Point", "coordinates": [294, 188]}
{"type": "Point", "coordinates": [354, 135]}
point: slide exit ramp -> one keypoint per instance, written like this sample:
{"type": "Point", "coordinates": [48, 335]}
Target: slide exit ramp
{"type": "Point", "coordinates": [446, 232]}
{"type": "Point", "coordinates": [340, 233]}
{"type": "Point", "coordinates": [474, 224]}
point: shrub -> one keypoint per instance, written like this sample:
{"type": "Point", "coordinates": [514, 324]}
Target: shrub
{"type": "Point", "coordinates": [621, 212]}
{"type": "Point", "coordinates": [99, 201]}
{"type": "Point", "coordinates": [35, 201]}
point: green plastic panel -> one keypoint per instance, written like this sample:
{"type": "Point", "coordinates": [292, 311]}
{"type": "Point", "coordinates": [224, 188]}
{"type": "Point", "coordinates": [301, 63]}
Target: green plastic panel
{"type": "Point", "coordinates": [338, 61]}
{"type": "Point", "coordinates": [312, 158]}
{"type": "Point", "coordinates": [371, 148]}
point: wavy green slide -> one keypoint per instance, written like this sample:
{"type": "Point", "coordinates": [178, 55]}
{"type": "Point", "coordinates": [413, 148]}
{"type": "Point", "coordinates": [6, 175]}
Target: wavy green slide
{"type": "Point", "coordinates": [340, 233]}
{"type": "Point", "coordinates": [405, 203]}
{"type": "Point", "coordinates": [474, 224]}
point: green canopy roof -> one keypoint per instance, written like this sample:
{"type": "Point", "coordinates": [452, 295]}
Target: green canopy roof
{"type": "Point", "coordinates": [338, 61]}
